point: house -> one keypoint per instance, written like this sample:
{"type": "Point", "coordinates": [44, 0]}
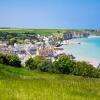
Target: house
{"type": "Point", "coordinates": [5, 48]}
{"type": "Point", "coordinates": [32, 51]}
{"type": "Point", "coordinates": [45, 52]}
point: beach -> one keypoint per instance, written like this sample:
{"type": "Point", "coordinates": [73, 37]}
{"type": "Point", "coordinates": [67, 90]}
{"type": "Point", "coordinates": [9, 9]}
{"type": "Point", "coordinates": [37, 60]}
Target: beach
{"type": "Point", "coordinates": [93, 36]}
{"type": "Point", "coordinates": [92, 61]}
{"type": "Point", "coordinates": [95, 62]}
{"type": "Point", "coordinates": [88, 49]}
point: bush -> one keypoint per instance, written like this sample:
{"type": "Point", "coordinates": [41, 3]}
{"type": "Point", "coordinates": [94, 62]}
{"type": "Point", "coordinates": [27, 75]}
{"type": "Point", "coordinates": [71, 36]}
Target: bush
{"type": "Point", "coordinates": [83, 69]}
{"type": "Point", "coordinates": [14, 60]}
{"type": "Point", "coordinates": [44, 66]}
{"type": "Point", "coordinates": [3, 59]}
{"type": "Point", "coordinates": [95, 73]}
{"type": "Point", "coordinates": [39, 63]}
{"type": "Point", "coordinates": [30, 64]}
{"type": "Point", "coordinates": [38, 60]}
{"type": "Point", "coordinates": [10, 59]}
{"type": "Point", "coordinates": [63, 65]}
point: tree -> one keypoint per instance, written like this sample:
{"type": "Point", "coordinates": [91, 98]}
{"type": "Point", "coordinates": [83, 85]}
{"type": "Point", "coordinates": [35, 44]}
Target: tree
{"type": "Point", "coordinates": [45, 66]}
{"type": "Point", "coordinates": [83, 69]}
{"type": "Point", "coordinates": [39, 63]}
{"type": "Point", "coordinates": [10, 59]}
{"type": "Point", "coordinates": [8, 37]}
{"type": "Point", "coordinates": [34, 63]}
{"type": "Point", "coordinates": [3, 59]}
{"type": "Point", "coordinates": [63, 64]}
{"type": "Point", "coordinates": [14, 60]}
{"type": "Point", "coordinates": [12, 41]}
{"type": "Point", "coordinates": [95, 73]}
{"type": "Point", "coordinates": [30, 64]}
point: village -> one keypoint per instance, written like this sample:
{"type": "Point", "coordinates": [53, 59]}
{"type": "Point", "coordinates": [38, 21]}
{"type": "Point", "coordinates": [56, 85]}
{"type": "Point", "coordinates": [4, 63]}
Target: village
{"type": "Point", "coordinates": [47, 46]}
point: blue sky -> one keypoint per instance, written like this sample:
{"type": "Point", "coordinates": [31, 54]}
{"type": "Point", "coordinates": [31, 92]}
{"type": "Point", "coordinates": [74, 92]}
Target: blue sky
{"type": "Point", "coordinates": [80, 14]}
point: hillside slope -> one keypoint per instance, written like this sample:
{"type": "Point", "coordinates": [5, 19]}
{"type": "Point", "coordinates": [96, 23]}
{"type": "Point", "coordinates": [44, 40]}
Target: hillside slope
{"type": "Point", "coordinates": [21, 84]}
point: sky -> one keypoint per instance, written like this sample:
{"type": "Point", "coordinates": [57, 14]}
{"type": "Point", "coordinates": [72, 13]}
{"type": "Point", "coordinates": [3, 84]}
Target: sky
{"type": "Point", "coordinates": [73, 14]}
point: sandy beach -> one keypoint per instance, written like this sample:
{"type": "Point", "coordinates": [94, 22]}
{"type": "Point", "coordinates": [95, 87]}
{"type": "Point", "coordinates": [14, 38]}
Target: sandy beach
{"type": "Point", "coordinates": [92, 61]}
{"type": "Point", "coordinates": [94, 36]}
{"type": "Point", "coordinates": [79, 51]}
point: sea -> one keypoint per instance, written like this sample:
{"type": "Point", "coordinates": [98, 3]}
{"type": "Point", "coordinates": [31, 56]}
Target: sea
{"type": "Point", "coordinates": [88, 49]}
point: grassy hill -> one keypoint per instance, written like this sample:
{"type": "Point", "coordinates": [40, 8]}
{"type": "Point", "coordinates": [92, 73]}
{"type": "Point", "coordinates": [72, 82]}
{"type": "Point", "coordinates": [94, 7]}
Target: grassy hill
{"type": "Point", "coordinates": [21, 84]}
{"type": "Point", "coordinates": [38, 31]}
{"type": "Point", "coordinates": [47, 31]}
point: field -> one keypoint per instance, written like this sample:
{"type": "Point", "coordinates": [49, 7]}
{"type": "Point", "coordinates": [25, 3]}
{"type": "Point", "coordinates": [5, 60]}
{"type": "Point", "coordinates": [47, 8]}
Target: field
{"type": "Point", "coordinates": [47, 31]}
{"type": "Point", "coordinates": [38, 31]}
{"type": "Point", "coordinates": [22, 84]}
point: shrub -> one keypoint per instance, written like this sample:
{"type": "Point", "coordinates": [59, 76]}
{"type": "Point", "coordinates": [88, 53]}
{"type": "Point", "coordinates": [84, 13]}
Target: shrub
{"type": "Point", "coordinates": [83, 69]}
{"type": "Point", "coordinates": [38, 62]}
{"type": "Point", "coordinates": [3, 59]}
{"type": "Point", "coordinates": [14, 60]}
{"type": "Point", "coordinates": [30, 64]}
{"type": "Point", "coordinates": [10, 59]}
{"type": "Point", "coordinates": [44, 66]}
{"type": "Point", "coordinates": [95, 73]}
{"type": "Point", "coordinates": [63, 65]}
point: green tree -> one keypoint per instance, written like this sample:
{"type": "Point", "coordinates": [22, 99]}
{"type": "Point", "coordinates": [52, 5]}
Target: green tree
{"type": "Point", "coordinates": [10, 59]}
{"type": "Point", "coordinates": [45, 66]}
{"type": "Point", "coordinates": [83, 69]}
{"type": "Point", "coordinates": [14, 60]}
{"type": "Point", "coordinates": [63, 64]}
{"type": "Point", "coordinates": [3, 59]}
{"type": "Point", "coordinates": [12, 41]}
{"type": "Point", "coordinates": [39, 63]}
{"type": "Point", "coordinates": [96, 73]}
{"type": "Point", "coordinates": [9, 37]}
{"type": "Point", "coordinates": [30, 64]}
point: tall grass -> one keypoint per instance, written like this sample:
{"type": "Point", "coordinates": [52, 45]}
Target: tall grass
{"type": "Point", "coordinates": [37, 31]}
{"type": "Point", "coordinates": [32, 85]}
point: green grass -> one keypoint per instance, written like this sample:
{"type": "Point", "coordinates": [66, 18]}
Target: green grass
{"type": "Point", "coordinates": [21, 84]}
{"type": "Point", "coordinates": [38, 31]}
{"type": "Point", "coordinates": [44, 31]}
